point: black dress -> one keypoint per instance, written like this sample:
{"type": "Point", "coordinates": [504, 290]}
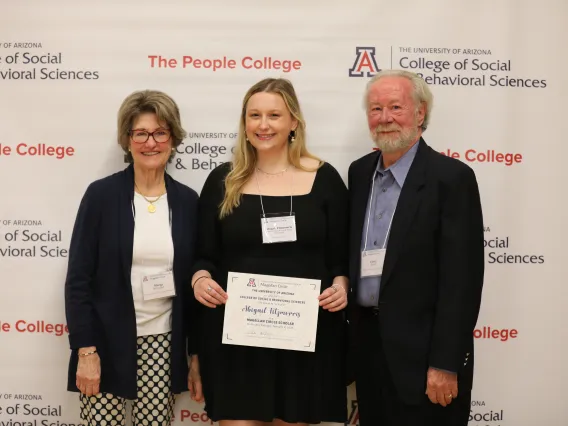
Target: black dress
{"type": "Point", "coordinates": [249, 383]}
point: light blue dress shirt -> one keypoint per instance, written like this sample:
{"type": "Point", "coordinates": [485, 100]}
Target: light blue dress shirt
{"type": "Point", "coordinates": [387, 184]}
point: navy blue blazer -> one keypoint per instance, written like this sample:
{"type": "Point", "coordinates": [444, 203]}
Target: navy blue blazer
{"type": "Point", "coordinates": [98, 293]}
{"type": "Point", "coordinates": [432, 280]}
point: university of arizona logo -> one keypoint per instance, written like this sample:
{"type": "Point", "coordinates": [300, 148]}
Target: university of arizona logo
{"type": "Point", "coordinates": [251, 283]}
{"type": "Point", "coordinates": [365, 64]}
{"type": "Point", "coordinates": [353, 415]}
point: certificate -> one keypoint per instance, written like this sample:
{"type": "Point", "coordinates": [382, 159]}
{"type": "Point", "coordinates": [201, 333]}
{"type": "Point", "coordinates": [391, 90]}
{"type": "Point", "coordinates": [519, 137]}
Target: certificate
{"type": "Point", "coordinates": [271, 312]}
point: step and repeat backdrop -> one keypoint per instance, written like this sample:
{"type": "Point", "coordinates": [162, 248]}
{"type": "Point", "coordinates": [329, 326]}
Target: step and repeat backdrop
{"type": "Point", "coordinates": [498, 74]}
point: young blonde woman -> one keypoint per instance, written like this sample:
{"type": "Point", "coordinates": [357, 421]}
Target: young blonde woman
{"type": "Point", "coordinates": [272, 173]}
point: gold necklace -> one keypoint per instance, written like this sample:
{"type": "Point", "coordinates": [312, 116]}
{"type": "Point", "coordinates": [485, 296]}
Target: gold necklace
{"type": "Point", "coordinates": [151, 206]}
{"type": "Point", "coordinates": [272, 174]}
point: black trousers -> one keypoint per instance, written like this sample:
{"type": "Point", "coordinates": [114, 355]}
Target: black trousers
{"type": "Point", "coordinates": [378, 400]}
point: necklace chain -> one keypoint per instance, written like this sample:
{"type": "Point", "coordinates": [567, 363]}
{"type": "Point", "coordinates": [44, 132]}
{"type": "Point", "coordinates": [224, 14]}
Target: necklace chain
{"type": "Point", "coordinates": [273, 174]}
{"type": "Point", "coordinates": [260, 193]}
{"type": "Point", "coordinates": [151, 206]}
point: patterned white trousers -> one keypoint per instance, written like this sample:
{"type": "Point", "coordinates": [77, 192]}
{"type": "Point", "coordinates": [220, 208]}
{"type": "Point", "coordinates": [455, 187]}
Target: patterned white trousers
{"type": "Point", "coordinates": [154, 404]}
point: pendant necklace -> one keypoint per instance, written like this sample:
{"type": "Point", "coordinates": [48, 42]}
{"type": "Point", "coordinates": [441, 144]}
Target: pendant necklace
{"type": "Point", "coordinates": [151, 206]}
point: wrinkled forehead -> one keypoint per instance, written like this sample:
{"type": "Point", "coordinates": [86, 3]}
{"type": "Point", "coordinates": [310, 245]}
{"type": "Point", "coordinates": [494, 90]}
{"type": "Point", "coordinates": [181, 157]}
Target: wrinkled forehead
{"type": "Point", "coordinates": [389, 89]}
{"type": "Point", "coordinates": [148, 121]}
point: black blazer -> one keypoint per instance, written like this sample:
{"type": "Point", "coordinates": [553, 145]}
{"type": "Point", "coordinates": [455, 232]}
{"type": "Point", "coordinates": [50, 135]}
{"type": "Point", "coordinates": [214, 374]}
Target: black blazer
{"type": "Point", "coordinates": [432, 278]}
{"type": "Point", "coordinates": [98, 293]}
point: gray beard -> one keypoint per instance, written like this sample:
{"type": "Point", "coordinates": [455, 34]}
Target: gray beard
{"type": "Point", "coordinates": [403, 141]}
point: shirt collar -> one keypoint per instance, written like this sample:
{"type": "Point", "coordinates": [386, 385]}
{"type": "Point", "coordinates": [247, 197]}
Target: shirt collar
{"type": "Point", "coordinates": [400, 169]}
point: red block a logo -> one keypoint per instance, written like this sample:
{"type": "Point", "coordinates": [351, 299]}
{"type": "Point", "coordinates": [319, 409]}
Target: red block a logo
{"type": "Point", "coordinates": [353, 415]}
{"type": "Point", "coordinates": [365, 64]}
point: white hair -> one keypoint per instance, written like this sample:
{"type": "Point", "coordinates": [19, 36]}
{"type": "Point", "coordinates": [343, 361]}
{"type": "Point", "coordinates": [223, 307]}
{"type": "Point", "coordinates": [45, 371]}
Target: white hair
{"type": "Point", "coordinates": [421, 92]}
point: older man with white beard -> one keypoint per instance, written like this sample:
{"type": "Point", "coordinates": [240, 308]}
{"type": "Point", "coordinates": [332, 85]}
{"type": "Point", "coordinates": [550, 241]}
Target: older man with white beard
{"type": "Point", "coordinates": [417, 265]}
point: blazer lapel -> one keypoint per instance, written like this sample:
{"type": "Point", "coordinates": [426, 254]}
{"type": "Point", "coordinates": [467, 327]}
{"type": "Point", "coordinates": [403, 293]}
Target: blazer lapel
{"type": "Point", "coordinates": [360, 196]}
{"type": "Point", "coordinates": [406, 208]}
{"type": "Point", "coordinates": [127, 222]}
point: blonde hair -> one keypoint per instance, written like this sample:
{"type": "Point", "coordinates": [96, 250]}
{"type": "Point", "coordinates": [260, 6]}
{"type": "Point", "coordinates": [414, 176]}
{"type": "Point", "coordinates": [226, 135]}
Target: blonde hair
{"type": "Point", "coordinates": [244, 159]}
{"type": "Point", "coordinates": [148, 101]}
{"type": "Point", "coordinates": [421, 92]}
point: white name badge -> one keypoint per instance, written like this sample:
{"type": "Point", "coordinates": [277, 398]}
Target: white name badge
{"type": "Point", "coordinates": [278, 229]}
{"type": "Point", "coordinates": [372, 262]}
{"type": "Point", "coordinates": [158, 286]}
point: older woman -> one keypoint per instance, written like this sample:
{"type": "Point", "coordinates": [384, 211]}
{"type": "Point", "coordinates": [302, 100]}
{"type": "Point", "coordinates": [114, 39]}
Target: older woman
{"type": "Point", "coordinates": [129, 265]}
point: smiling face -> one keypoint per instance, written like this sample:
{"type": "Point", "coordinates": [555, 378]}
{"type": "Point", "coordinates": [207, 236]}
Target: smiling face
{"type": "Point", "coordinates": [268, 121]}
{"type": "Point", "coordinates": [154, 152]}
{"type": "Point", "coordinates": [392, 114]}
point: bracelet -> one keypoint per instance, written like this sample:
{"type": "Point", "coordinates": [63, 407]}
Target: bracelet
{"type": "Point", "coordinates": [88, 353]}
{"type": "Point", "coordinates": [195, 282]}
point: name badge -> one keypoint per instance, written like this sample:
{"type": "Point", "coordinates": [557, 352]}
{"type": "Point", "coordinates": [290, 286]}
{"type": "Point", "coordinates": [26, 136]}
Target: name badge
{"type": "Point", "coordinates": [158, 286]}
{"type": "Point", "coordinates": [278, 229]}
{"type": "Point", "coordinates": [372, 262]}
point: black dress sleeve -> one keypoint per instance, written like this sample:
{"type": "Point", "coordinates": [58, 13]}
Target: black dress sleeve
{"type": "Point", "coordinates": [192, 306]}
{"type": "Point", "coordinates": [208, 233]}
{"type": "Point", "coordinates": [83, 258]}
{"type": "Point", "coordinates": [337, 210]}
{"type": "Point", "coordinates": [208, 247]}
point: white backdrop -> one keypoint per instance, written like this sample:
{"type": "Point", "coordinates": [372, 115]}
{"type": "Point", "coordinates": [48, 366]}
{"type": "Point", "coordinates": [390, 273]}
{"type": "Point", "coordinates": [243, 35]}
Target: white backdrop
{"type": "Point", "coordinates": [101, 53]}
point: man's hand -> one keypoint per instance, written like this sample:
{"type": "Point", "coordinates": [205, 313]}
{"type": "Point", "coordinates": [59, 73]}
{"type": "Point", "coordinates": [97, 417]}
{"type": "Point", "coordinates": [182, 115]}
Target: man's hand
{"type": "Point", "coordinates": [441, 387]}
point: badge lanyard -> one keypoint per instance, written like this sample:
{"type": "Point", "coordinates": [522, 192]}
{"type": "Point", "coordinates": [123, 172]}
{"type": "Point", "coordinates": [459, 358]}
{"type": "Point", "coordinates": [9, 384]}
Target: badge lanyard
{"type": "Point", "coordinates": [260, 195]}
{"type": "Point", "coordinates": [277, 227]}
{"type": "Point", "coordinates": [170, 263]}
{"type": "Point", "coordinates": [161, 285]}
{"type": "Point", "coordinates": [369, 219]}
